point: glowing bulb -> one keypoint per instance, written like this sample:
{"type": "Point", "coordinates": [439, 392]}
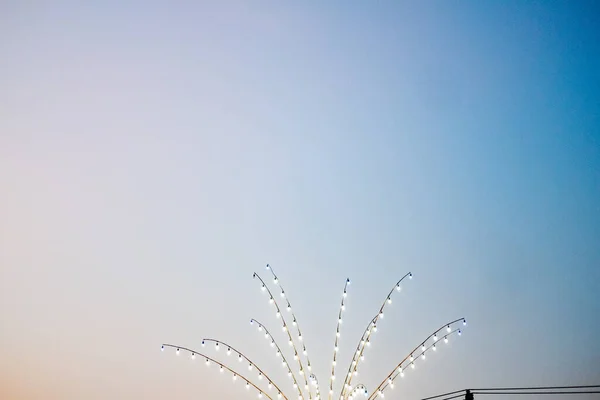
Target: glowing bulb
{"type": "Point", "coordinates": [389, 300]}
{"type": "Point", "coordinates": [423, 347]}
{"type": "Point", "coordinates": [247, 385]}
{"type": "Point", "coordinates": [177, 351]}
{"type": "Point", "coordinates": [411, 358]}
{"type": "Point", "coordinates": [275, 281]}
{"type": "Point", "coordinates": [193, 356]}
{"type": "Point", "coordinates": [263, 288]}
{"type": "Point", "coordinates": [221, 369]}
{"type": "Point", "coordinates": [207, 362]}
{"type": "Point", "coordinates": [290, 342]}
{"type": "Point", "coordinates": [448, 329]}
{"type": "Point", "coordinates": [339, 321]}
{"type": "Point", "coordinates": [435, 338]}
{"type": "Point", "coordinates": [278, 314]}
{"type": "Point", "coordinates": [240, 358]}
{"type": "Point", "coordinates": [410, 275]}
{"type": "Point", "coordinates": [334, 363]}
{"type": "Point", "coordinates": [228, 351]}
{"type": "Point", "coordinates": [162, 348]}
{"type": "Point", "coordinates": [401, 374]}
{"type": "Point", "coordinates": [203, 343]}
{"type": "Point", "coordinates": [459, 332]}
{"type": "Point", "coordinates": [282, 294]}
{"type": "Point", "coordinates": [259, 377]}
{"type": "Point", "coordinates": [423, 356]}
{"type": "Point", "coordinates": [464, 322]}
{"type": "Point", "coordinates": [300, 337]}
{"type": "Point", "coordinates": [381, 315]}
{"type": "Point", "coordinates": [271, 300]}
{"type": "Point", "coordinates": [272, 344]}
{"type": "Point", "coordinates": [445, 339]}
{"type": "Point", "coordinates": [217, 346]}
{"type": "Point", "coordinates": [333, 377]}
{"type": "Point", "coordinates": [234, 377]}
{"type": "Point", "coordinates": [249, 367]}
{"type": "Point", "coordinates": [345, 294]}
{"type": "Point", "coordinates": [412, 365]}
{"type": "Point", "coordinates": [434, 348]}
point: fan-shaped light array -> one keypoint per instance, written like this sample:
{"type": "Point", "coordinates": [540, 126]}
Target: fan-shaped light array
{"type": "Point", "coordinates": [347, 392]}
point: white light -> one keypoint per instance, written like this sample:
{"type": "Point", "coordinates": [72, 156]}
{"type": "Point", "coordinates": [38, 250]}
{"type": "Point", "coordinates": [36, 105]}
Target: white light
{"type": "Point", "coordinates": [339, 321]}
{"type": "Point", "coordinates": [271, 300]}
{"type": "Point", "coordinates": [464, 322]}
{"type": "Point", "coordinates": [402, 374]}
{"type": "Point", "coordinates": [193, 356]}
{"type": "Point", "coordinates": [207, 362]}
{"type": "Point", "coordinates": [389, 300]}
{"type": "Point", "coordinates": [423, 347]}
{"type": "Point", "coordinates": [177, 351]}
{"type": "Point", "coordinates": [337, 334]}
{"type": "Point", "coordinates": [247, 386]}
{"type": "Point", "coordinates": [300, 337]}
{"type": "Point", "coordinates": [249, 367]}
{"type": "Point", "coordinates": [263, 288]}
{"type": "Point", "coordinates": [240, 358]}
{"type": "Point", "coordinates": [275, 281]}
{"type": "Point", "coordinates": [381, 315]}
{"type": "Point", "coordinates": [221, 369]}
{"type": "Point", "coordinates": [234, 377]}
{"type": "Point", "coordinates": [423, 356]}
{"type": "Point", "coordinates": [259, 377]}
{"type": "Point", "coordinates": [411, 358]}
{"type": "Point", "coordinates": [278, 314]}
{"type": "Point", "coordinates": [282, 294]}
{"type": "Point", "coordinates": [217, 346]}
{"type": "Point", "coordinates": [290, 342]}
{"type": "Point", "coordinates": [334, 363]}
{"type": "Point", "coordinates": [228, 351]}
{"type": "Point", "coordinates": [333, 377]}
{"type": "Point", "coordinates": [435, 338]}
{"type": "Point", "coordinates": [345, 294]}
{"type": "Point", "coordinates": [412, 365]}
{"type": "Point", "coordinates": [459, 332]}
{"type": "Point", "coordinates": [434, 348]}
{"type": "Point", "coordinates": [445, 339]}
{"type": "Point", "coordinates": [448, 329]}
{"type": "Point", "coordinates": [272, 344]}
{"type": "Point", "coordinates": [294, 322]}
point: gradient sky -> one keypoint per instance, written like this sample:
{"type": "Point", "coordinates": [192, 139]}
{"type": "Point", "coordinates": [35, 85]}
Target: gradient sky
{"type": "Point", "coordinates": [153, 156]}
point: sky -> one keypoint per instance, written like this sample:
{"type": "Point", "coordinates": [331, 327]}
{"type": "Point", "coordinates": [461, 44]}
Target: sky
{"type": "Point", "coordinates": [154, 155]}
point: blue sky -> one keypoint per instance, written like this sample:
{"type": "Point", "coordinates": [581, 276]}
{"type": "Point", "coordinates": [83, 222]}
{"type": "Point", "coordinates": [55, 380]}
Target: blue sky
{"type": "Point", "coordinates": [153, 156]}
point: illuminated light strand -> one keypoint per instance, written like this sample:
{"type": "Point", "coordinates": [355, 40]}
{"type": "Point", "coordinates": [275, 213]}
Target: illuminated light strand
{"type": "Point", "coordinates": [280, 354]}
{"type": "Point", "coordinates": [287, 330]}
{"type": "Point", "coordinates": [221, 365]}
{"type": "Point", "coordinates": [398, 370]}
{"type": "Point", "coordinates": [337, 338]}
{"type": "Point", "coordinates": [240, 354]}
{"type": "Point", "coordinates": [289, 308]}
{"type": "Point", "coordinates": [366, 336]}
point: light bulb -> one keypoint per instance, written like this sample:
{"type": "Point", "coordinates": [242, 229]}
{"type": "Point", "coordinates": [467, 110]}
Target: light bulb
{"type": "Point", "coordinates": [464, 322]}
{"type": "Point", "coordinates": [221, 368]}
{"type": "Point", "coordinates": [448, 329]}
{"type": "Point", "coordinates": [249, 367]}
{"type": "Point", "coordinates": [410, 275]}
{"type": "Point", "coordinates": [345, 294]}
{"type": "Point", "coordinates": [435, 338]}
{"type": "Point", "coordinates": [412, 365]}
{"type": "Point", "coordinates": [434, 348]}
{"type": "Point", "coordinates": [423, 347]}
{"type": "Point", "coordinates": [263, 288]}
{"type": "Point", "coordinates": [459, 332]}
{"type": "Point", "coordinates": [207, 362]}
{"type": "Point", "coordinates": [177, 351]}
{"type": "Point", "coordinates": [234, 377]}
{"type": "Point", "coordinates": [381, 315]}
{"type": "Point", "coordinates": [402, 374]}
{"type": "Point", "coordinates": [162, 348]}
{"type": "Point", "coordinates": [445, 339]}
{"type": "Point", "coordinates": [339, 321]}
{"type": "Point", "coordinates": [275, 281]}
{"type": "Point", "coordinates": [282, 294]}
{"type": "Point", "coordinates": [193, 356]}
{"type": "Point", "coordinates": [389, 300]}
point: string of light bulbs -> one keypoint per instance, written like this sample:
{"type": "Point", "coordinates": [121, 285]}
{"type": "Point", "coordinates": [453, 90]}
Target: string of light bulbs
{"type": "Point", "coordinates": [223, 367]}
{"type": "Point", "coordinates": [285, 328]}
{"type": "Point", "coordinates": [347, 392]}
{"type": "Point", "coordinates": [365, 340]}
{"type": "Point", "coordinates": [337, 337]}
{"type": "Point", "coordinates": [297, 324]}
{"type": "Point", "coordinates": [279, 353]}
